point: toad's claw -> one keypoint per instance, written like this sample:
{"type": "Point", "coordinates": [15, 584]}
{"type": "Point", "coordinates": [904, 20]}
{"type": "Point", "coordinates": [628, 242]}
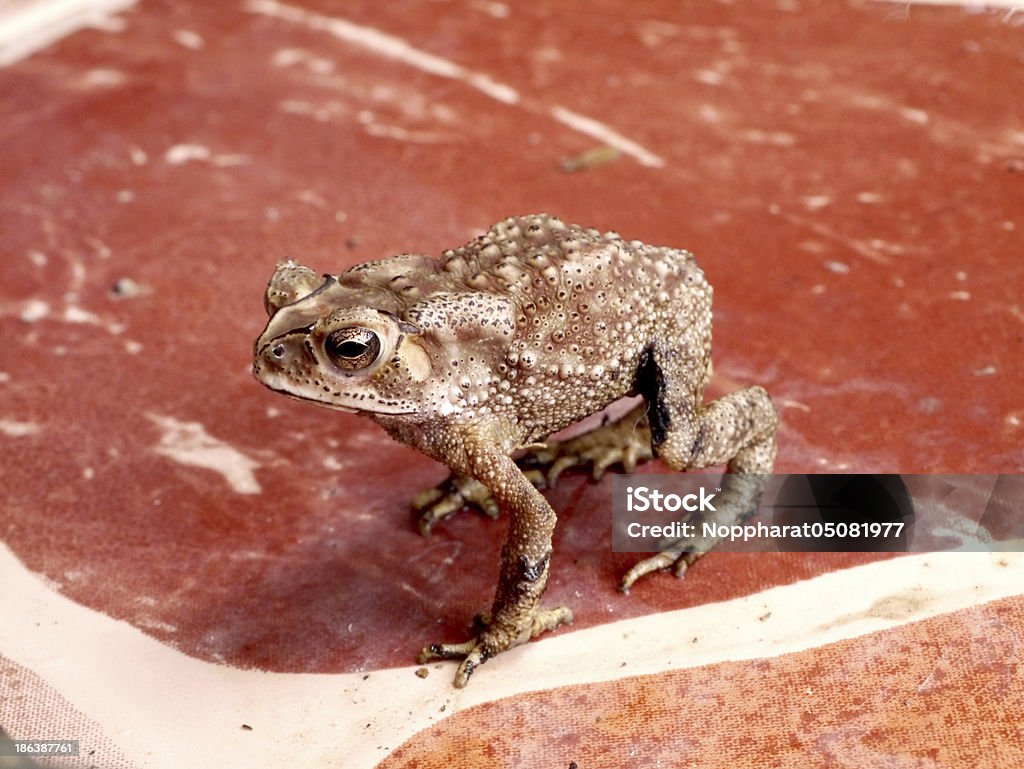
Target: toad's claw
{"type": "Point", "coordinates": [737, 501]}
{"type": "Point", "coordinates": [600, 458]}
{"type": "Point", "coordinates": [459, 491]}
{"type": "Point", "coordinates": [491, 642]}
{"type": "Point", "coordinates": [672, 557]}
{"type": "Point", "coordinates": [626, 442]}
{"type": "Point", "coordinates": [473, 654]}
{"type": "Point", "coordinates": [443, 501]}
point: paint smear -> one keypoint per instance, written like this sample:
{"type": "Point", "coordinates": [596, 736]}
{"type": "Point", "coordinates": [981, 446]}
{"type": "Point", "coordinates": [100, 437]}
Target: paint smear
{"type": "Point", "coordinates": [188, 443]}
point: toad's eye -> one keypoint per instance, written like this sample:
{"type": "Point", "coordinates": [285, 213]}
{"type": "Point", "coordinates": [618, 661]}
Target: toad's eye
{"type": "Point", "coordinates": [352, 348]}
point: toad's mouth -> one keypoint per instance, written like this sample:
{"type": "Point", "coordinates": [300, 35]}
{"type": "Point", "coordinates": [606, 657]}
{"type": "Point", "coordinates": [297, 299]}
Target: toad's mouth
{"type": "Point", "coordinates": [283, 386]}
{"type": "Point", "coordinates": [306, 399]}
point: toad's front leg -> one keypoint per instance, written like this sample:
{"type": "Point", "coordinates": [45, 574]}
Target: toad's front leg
{"type": "Point", "coordinates": [516, 616]}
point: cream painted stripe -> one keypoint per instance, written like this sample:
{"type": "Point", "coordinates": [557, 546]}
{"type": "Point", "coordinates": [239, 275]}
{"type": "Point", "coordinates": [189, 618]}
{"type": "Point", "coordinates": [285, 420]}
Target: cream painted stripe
{"type": "Point", "coordinates": [27, 26]}
{"type": "Point", "coordinates": [163, 708]}
{"type": "Point", "coordinates": [396, 48]}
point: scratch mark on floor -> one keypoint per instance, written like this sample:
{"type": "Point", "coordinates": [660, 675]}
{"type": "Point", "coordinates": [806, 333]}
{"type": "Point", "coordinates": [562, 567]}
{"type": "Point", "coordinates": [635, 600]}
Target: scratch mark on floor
{"type": "Point", "coordinates": [397, 49]}
{"type": "Point", "coordinates": [605, 135]}
{"type": "Point", "coordinates": [873, 249]}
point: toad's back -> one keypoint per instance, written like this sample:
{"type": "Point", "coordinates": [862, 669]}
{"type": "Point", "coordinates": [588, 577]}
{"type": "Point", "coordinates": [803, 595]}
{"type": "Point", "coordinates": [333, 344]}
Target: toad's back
{"type": "Point", "coordinates": [587, 306]}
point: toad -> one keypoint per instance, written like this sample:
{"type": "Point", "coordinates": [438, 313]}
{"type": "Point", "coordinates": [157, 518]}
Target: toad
{"type": "Point", "coordinates": [476, 357]}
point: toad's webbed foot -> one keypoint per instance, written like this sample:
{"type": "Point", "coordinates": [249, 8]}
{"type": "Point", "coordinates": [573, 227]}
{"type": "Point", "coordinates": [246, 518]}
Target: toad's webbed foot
{"type": "Point", "coordinates": [677, 556]}
{"type": "Point", "coordinates": [495, 638]}
{"type": "Point", "coordinates": [456, 493]}
{"type": "Point", "coordinates": [737, 501]}
{"type": "Point", "coordinates": [450, 496]}
{"type": "Point", "coordinates": [626, 442]}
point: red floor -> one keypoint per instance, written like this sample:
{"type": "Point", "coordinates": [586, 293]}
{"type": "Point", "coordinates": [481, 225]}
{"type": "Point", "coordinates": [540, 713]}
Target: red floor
{"type": "Point", "coordinates": [850, 176]}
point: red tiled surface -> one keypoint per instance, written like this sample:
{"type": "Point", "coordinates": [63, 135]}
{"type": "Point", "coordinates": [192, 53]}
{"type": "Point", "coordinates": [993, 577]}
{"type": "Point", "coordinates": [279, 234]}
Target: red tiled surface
{"type": "Point", "coordinates": [896, 698]}
{"type": "Point", "coordinates": [849, 175]}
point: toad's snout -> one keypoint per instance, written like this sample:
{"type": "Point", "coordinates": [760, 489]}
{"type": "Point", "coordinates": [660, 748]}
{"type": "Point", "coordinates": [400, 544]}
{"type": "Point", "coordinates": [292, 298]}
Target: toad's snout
{"type": "Point", "coordinates": [281, 357]}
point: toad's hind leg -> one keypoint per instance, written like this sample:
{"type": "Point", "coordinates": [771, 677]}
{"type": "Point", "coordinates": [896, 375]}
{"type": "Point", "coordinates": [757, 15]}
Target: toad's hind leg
{"type": "Point", "coordinates": [737, 430]}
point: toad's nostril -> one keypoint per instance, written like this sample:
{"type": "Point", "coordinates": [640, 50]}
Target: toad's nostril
{"type": "Point", "coordinates": [277, 351]}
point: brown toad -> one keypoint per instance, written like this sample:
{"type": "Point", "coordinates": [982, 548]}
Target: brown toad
{"type": "Point", "coordinates": [487, 351]}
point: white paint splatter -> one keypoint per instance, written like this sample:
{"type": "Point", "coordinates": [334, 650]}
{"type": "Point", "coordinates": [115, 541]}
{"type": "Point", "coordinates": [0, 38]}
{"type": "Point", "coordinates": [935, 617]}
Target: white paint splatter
{"type": "Point", "coordinates": [289, 57]}
{"type": "Point", "coordinates": [182, 153]}
{"type": "Point", "coordinates": [151, 623]}
{"type": "Point", "coordinates": [189, 39]}
{"type": "Point", "coordinates": [73, 314]}
{"type": "Point", "coordinates": [34, 310]}
{"type": "Point", "coordinates": [815, 202]}
{"type": "Point", "coordinates": [709, 113]}
{"type": "Point", "coordinates": [324, 112]}
{"type": "Point", "coordinates": [31, 26]}
{"type": "Point", "coordinates": [190, 444]}
{"type": "Point", "coordinates": [17, 429]}
{"type": "Point", "coordinates": [312, 198]}
{"type": "Point", "coordinates": [768, 138]}
{"type": "Point", "coordinates": [494, 9]}
{"type": "Point", "coordinates": [798, 405]}
{"type": "Point", "coordinates": [918, 116]}
{"type": "Point", "coordinates": [653, 32]}
{"type": "Point", "coordinates": [813, 246]}
{"type": "Point", "coordinates": [332, 463]}
{"type": "Point", "coordinates": [709, 77]}
{"type": "Point", "coordinates": [102, 78]}
{"type": "Point", "coordinates": [403, 134]}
